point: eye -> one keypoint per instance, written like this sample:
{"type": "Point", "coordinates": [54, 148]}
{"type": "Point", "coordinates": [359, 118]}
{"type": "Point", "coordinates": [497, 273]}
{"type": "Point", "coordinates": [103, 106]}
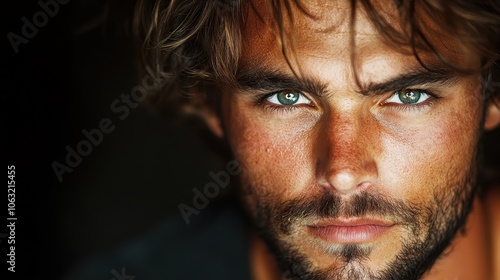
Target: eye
{"type": "Point", "coordinates": [408, 97]}
{"type": "Point", "coordinates": [288, 98]}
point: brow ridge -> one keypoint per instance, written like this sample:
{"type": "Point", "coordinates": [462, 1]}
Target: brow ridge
{"type": "Point", "coordinates": [270, 80]}
{"type": "Point", "coordinates": [259, 79]}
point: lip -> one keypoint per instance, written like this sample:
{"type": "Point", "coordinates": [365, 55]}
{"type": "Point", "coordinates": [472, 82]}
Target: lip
{"type": "Point", "coordinates": [350, 230]}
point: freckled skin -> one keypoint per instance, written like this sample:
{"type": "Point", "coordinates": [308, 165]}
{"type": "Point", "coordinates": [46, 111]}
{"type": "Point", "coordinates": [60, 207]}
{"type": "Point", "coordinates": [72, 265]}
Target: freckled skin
{"type": "Point", "coordinates": [346, 143]}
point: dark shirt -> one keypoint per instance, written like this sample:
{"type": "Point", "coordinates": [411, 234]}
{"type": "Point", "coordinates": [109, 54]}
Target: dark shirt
{"type": "Point", "coordinates": [214, 245]}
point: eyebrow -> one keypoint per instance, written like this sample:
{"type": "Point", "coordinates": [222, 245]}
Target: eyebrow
{"type": "Point", "coordinates": [410, 79]}
{"type": "Point", "coordinates": [258, 79]}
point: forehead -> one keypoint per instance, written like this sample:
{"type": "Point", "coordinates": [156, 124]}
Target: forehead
{"type": "Point", "coordinates": [327, 33]}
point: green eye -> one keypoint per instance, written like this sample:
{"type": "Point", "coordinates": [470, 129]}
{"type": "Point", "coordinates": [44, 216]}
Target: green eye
{"type": "Point", "coordinates": [288, 97]}
{"type": "Point", "coordinates": [410, 96]}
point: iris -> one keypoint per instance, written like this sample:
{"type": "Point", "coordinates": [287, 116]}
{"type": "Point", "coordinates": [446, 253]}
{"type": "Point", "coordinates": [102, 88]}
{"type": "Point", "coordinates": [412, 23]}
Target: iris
{"type": "Point", "coordinates": [288, 97]}
{"type": "Point", "coordinates": [409, 96]}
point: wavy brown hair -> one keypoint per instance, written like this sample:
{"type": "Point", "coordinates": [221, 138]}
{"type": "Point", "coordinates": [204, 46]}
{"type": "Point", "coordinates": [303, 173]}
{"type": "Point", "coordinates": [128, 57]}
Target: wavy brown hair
{"type": "Point", "coordinates": [194, 45]}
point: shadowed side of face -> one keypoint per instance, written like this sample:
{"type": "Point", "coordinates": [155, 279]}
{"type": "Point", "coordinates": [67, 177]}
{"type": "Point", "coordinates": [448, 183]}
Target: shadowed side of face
{"type": "Point", "coordinates": [369, 179]}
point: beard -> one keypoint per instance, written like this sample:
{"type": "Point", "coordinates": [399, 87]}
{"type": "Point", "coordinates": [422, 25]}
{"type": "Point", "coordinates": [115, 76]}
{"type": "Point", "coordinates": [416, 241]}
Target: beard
{"type": "Point", "coordinates": [431, 229]}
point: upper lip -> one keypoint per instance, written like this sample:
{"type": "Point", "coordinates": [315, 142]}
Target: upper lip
{"type": "Point", "coordinates": [352, 222]}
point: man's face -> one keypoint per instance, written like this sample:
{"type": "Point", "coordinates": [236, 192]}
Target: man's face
{"type": "Point", "coordinates": [352, 180]}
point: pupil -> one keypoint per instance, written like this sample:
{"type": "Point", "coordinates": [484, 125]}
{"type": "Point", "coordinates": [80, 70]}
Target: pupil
{"type": "Point", "coordinates": [288, 98]}
{"type": "Point", "coordinates": [409, 97]}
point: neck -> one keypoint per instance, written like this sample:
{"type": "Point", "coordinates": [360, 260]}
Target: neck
{"type": "Point", "coordinates": [468, 257]}
{"type": "Point", "coordinates": [263, 263]}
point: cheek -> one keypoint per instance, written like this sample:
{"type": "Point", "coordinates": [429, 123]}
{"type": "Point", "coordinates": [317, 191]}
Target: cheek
{"type": "Point", "coordinates": [419, 162]}
{"type": "Point", "coordinates": [274, 157]}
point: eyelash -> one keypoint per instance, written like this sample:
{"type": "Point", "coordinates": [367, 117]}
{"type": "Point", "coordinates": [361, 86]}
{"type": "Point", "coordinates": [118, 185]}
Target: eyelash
{"type": "Point", "coordinates": [409, 107]}
{"type": "Point", "coordinates": [414, 107]}
{"type": "Point", "coordinates": [261, 101]}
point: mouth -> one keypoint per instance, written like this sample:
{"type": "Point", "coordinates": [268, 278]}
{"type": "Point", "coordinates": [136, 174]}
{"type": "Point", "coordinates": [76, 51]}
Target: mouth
{"type": "Point", "coordinates": [350, 231]}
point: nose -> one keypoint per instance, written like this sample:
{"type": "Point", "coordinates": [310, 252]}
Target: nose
{"type": "Point", "coordinates": [346, 146]}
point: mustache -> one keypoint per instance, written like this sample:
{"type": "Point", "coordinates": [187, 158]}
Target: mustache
{"type": "Point", "coordinates": [332, 206]}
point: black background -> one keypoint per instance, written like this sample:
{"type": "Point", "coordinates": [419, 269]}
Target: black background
{"type": "Point", "coordinates": [61, 82]}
